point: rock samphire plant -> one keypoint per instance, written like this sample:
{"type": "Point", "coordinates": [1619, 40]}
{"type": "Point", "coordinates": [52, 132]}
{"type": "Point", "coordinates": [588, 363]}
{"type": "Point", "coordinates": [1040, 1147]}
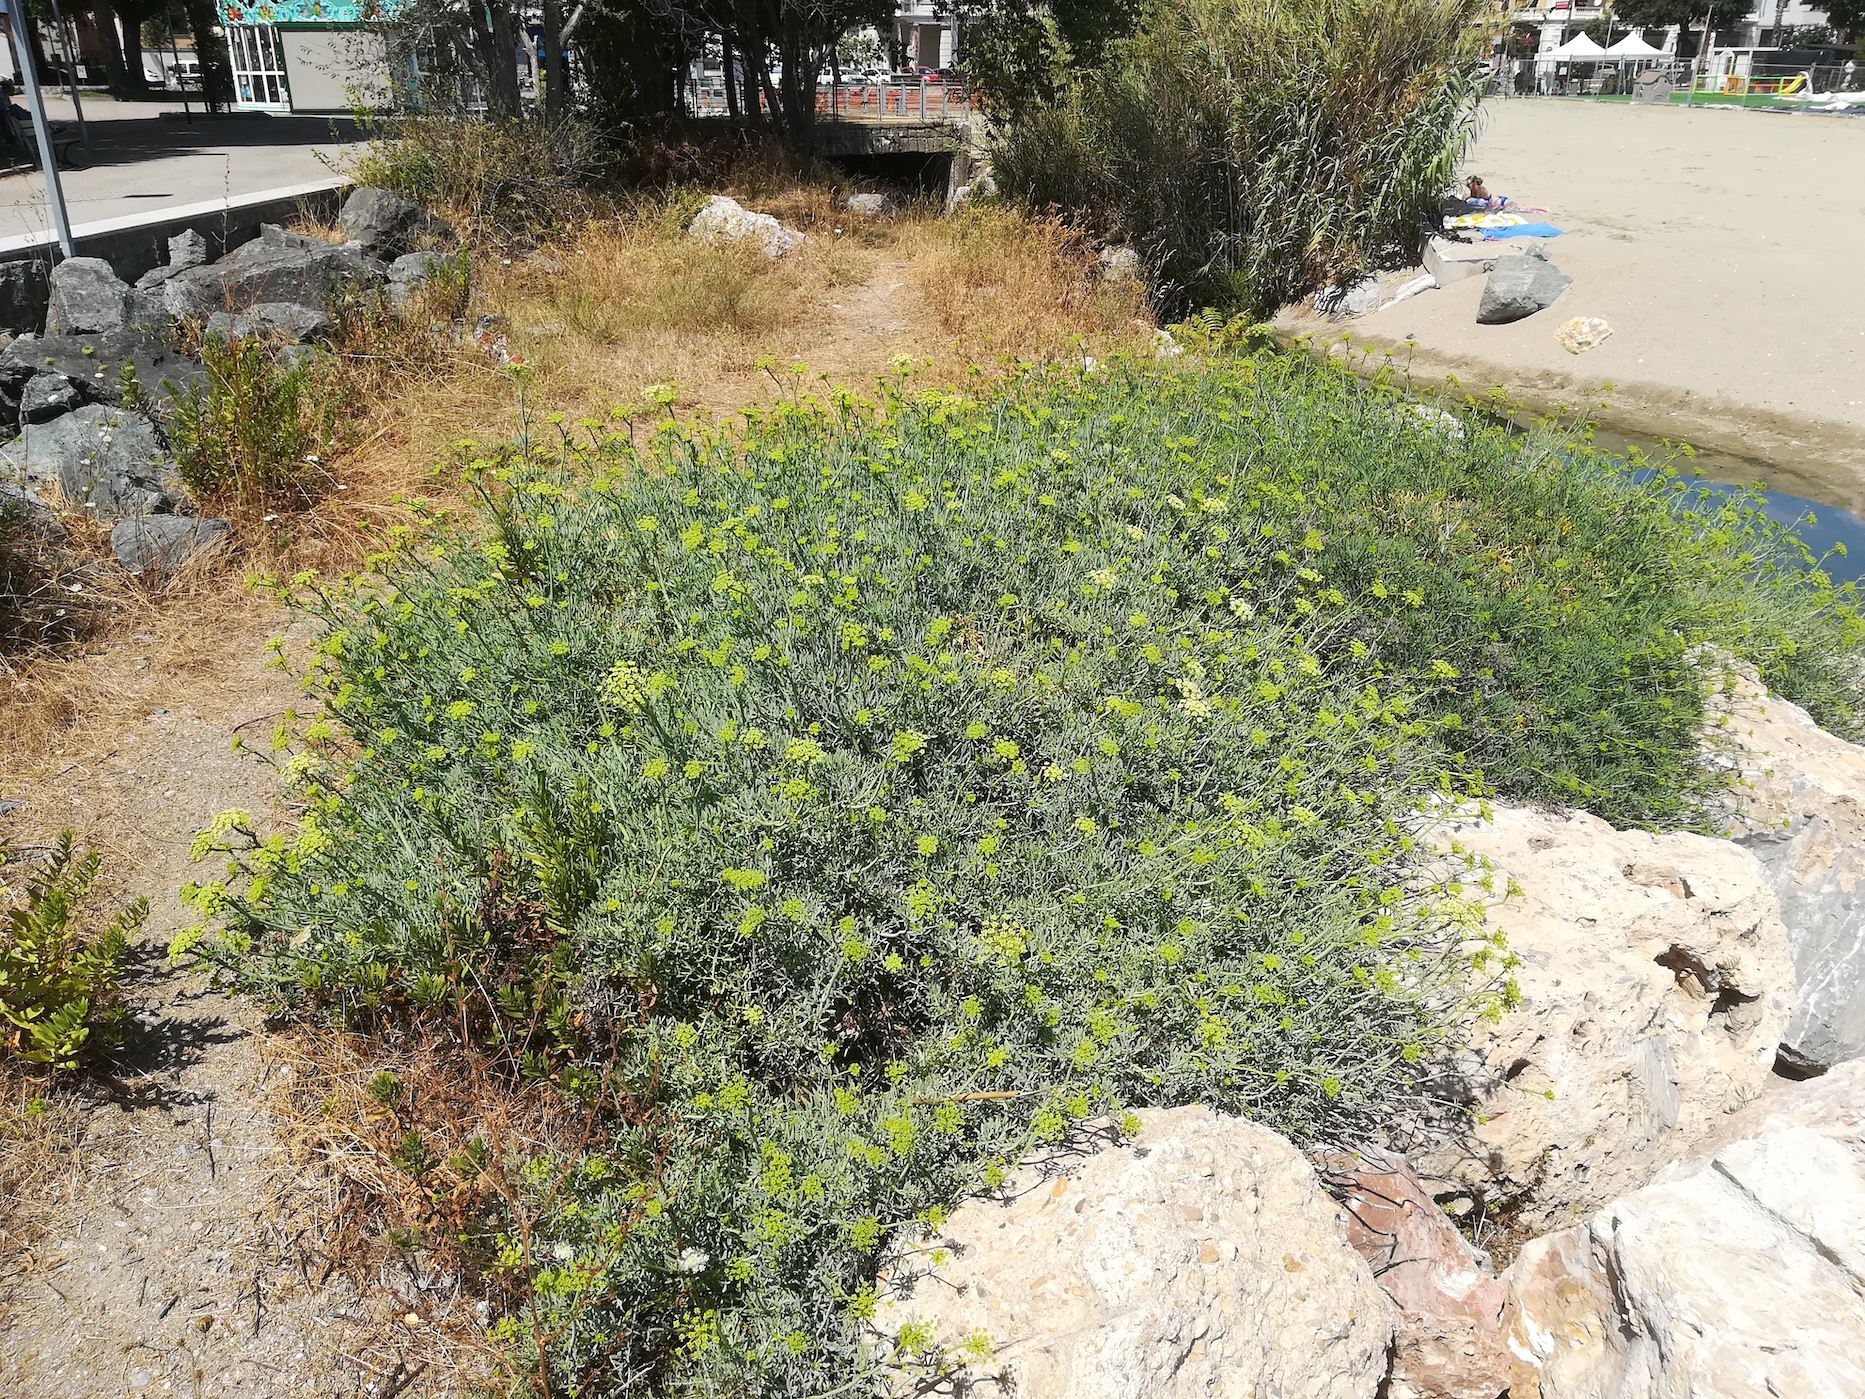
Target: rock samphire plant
{"type": "Point", "coordinates": [848, 806]}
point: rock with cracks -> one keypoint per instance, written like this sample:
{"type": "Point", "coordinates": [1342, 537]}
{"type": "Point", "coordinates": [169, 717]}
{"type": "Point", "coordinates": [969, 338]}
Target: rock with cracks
{"type": "Point", "coordinates": [386, 226]}
{"type": "Point", "coordinates": [186, 249]}
{"type": "Point", "coordinates": [1448, 1341]}
{"type": "Point", "coordinates": [411, 272]}
{"type": "Point", "coordinates": [1655, 982]}
{"type": "Point", "coordinates": [47, 396]}
{"type": "Point", "coordinates": [87, 298]}
{"type": "Point", "coordinates": [108, 460]}
{"type": "Point", "coordinates": [161, 544]}
{"type": "Point", "coordinates": [1742, 1274]}
{"type": "Point", "coordinates": [725, 220]}
{"type": "Point", "coordinates": [289, 322]}
{"type": "Point", "coordinates": [96, 365]}
{"type": "Point", "coordinates": [1801, 809]}
{"type": "Point", "coordinates": [276, 266]}
{"type": "Point", "coordinates": [1520, 286]}
{"type": "Point", "coordinates": [1202, 1259]}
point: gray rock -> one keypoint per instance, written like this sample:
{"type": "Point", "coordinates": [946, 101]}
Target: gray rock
{"type": "Point", "coordinates": [95, 364]}
{"type": "Point", "coordinates": [1348, 299]}
{"type": "Point", "coordinates": [47, 396]}
{"type": "Point", "coordinates": [24, 286]}
{"type": "Point", "coordinates": [412, 271]}
{"type": "Point", "coordinates": [386, 225]}
{"type": "Point", "coordinates": [1520, 286]}
{"type": "Point", "coordinates": [874, 206]}
{"type": "Point", "coordinates": [87, 298]}
{"type": "Point", "coordinates": [106, 459]}
{"type": "Point", "coordinates": [1120, 264]}
{"type": "Point", "coordinates": [288, 321]}
{"type": "Point", "coordinates": [276, 266]}
{"type": "Point", "coordinates": [163, 543]}
{"type": "Point", "coordinates": [21, 507]}
{"type": "Point", "coordinates": [187, 249]}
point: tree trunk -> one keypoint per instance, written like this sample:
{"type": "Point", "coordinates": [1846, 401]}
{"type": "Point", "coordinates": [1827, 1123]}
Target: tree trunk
{"type": "Point", "coordinates": [210, 51]}
{"type": "Point", "coordinates": [556, 97]}
{"type": "Point", "coordinates": [495, 36]}
{"type": "Point", "coordinates": [130, 18]}
{"type": "Point", "coordinates": [729, 73]}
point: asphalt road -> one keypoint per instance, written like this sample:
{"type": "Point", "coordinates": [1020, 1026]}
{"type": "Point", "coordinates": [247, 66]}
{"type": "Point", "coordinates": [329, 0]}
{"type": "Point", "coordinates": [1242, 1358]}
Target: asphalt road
{"type": "Point", "coordinates": [146, 156]}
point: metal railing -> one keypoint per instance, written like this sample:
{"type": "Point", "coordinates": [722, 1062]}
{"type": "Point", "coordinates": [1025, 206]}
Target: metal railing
{"type": "Point", "coordinates": [1821, 86]}
{"type": "Point", "coordinates": [889, 101]}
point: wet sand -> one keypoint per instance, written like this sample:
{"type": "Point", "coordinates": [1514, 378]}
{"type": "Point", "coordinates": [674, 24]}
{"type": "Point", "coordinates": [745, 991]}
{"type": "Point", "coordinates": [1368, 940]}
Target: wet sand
{"type": "Point", "coordinates": [1725, 248]}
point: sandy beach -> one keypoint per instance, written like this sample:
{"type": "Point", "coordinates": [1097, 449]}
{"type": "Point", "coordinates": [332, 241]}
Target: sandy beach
{"type": "Point", "coordinates": [1725, 248]}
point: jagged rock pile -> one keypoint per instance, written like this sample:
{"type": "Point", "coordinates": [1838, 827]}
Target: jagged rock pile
{"type": "Point", "coordinates": [92, 395]}
{"type": "Point", "coordinates": [1684, 1205]}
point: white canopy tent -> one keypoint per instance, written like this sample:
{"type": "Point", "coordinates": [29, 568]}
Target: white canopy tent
{"type": "Point", "coordinates": [1631, 46]}
{"type": "Point", "coordinates": [1581, 47]}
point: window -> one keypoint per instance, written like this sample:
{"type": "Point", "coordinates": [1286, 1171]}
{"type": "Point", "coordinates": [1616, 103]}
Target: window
{"type": "Point", "coordinates": [258, 66]}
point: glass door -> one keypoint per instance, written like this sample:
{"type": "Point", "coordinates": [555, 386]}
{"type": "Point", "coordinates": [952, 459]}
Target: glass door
{"type": "Point", "coordinates": [258, 68]}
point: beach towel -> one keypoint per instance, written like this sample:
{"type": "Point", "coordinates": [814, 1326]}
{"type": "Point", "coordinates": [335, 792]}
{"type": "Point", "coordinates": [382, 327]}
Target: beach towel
{"type": "Point", "coordinates": [1523, 230]}
{"type": "Point", "coordinates": [1485, 221]}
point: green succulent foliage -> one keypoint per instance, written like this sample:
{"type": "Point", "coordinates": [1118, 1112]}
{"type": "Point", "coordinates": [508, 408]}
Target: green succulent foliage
{"type": "Point", "coordinates": [848, 806]}
{"type": "Point", "coordinates": [58, 972]}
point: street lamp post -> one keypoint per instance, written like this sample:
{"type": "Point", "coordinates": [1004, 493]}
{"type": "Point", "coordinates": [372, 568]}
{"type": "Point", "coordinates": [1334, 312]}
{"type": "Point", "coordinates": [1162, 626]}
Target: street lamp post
{"type": "Point", "coordinates": [48, 158]}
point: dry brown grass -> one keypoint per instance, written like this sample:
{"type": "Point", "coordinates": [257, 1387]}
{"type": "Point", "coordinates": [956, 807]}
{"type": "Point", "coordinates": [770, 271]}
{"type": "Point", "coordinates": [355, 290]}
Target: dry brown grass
{"type": "Point", "coordinates": [414, 1145]}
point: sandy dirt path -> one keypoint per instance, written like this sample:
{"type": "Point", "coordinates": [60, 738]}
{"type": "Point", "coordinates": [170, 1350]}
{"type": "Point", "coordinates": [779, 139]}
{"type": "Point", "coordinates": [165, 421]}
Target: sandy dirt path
{"type": "Point", "coordinates": [1724, 249]}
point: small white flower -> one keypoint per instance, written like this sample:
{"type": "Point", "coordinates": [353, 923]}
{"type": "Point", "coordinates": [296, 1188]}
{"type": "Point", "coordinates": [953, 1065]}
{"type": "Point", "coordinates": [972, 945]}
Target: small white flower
{"type": "Point", "coordinates": [692, 1260]}
{"type": "Point", "coordinates": [562, 1252]}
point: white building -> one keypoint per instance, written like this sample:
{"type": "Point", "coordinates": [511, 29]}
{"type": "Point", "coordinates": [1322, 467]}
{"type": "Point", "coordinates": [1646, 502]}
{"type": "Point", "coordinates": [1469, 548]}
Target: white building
{"type": "Point", "coordinates": [928, 37]}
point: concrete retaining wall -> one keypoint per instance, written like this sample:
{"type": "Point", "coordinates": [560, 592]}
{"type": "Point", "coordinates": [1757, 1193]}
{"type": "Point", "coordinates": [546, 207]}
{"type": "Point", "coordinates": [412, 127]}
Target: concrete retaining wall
{"type": "Point", "coordinates": [138, 243]}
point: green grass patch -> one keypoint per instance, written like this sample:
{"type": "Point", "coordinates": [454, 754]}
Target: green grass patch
{"type": "Point", "coordinates": [845, 807]}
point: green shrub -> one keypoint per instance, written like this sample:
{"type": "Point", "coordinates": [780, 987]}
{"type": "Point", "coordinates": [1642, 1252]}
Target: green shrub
{"type": "Point", "coordinates": [843, 811]}
{"type": "Point", "coordinates": [58, 969]}
{"type": "Point", "coordinates": [1252, 152]}
{"type": "Point", "coordinates": [502, 179]}
{"type": "Point", "coordinates": [252, 437]}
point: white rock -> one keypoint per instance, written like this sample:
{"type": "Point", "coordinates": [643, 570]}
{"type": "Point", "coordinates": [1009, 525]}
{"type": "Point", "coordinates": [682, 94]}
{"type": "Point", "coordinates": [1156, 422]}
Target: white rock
{"type": "Point", "coordinates": [725, 220]}
{"type": "Point", "coordinates": [1742, 1275]}
{"type": "Point", "coordinates": [1801, 810]}
{"type": "Point", "coordinates": [1120, 264]}
{"type": "Point", "coordinates": [1201, 1260]}
{"type": "Point", "coordinates": [1655, 982]}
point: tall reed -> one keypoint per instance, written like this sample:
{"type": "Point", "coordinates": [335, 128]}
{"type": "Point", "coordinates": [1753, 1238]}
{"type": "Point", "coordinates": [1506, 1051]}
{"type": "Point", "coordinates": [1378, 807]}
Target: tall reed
{"type": "Point", "coordinates": [1254, 150]}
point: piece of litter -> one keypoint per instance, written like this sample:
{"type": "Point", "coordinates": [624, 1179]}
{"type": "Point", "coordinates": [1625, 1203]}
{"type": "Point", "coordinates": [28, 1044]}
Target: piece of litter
{"type": "Point", "coordinates": [1411, 289]}
{"type": "Point", "coordinates": [1582, 333]}
{"type": "Point", "coordinates": [412, 1319]}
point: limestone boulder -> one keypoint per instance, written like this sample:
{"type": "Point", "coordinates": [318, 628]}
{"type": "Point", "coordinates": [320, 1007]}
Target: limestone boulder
{"type": "Point", "coordinates": [1743, 1274]}
{"type": "Point", "coordinates": [1518, 287]}
{"type": "Point", "coordinates": [724, 220]}
{"type": "Point", "coordinates": [1654, 983]}
{"type": "Point", "coordinates": [1201, 1259]}
{"type": "Point", "coordinates": [870, 205]}
{"type": "Point", "coordinates": [1448, 1341]}
{"type": "Point", "coordinates": [87, 298]}
{"type": "Point", "coordinates": [1800, 808]}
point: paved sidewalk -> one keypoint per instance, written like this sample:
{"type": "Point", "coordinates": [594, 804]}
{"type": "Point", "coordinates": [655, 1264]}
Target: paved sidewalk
{"type": "Point", "coordinates": [147, 157]}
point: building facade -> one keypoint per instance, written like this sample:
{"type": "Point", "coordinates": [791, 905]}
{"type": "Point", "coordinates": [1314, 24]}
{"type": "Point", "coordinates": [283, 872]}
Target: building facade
{"type": "Point", "coordinates": [305, 55]}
